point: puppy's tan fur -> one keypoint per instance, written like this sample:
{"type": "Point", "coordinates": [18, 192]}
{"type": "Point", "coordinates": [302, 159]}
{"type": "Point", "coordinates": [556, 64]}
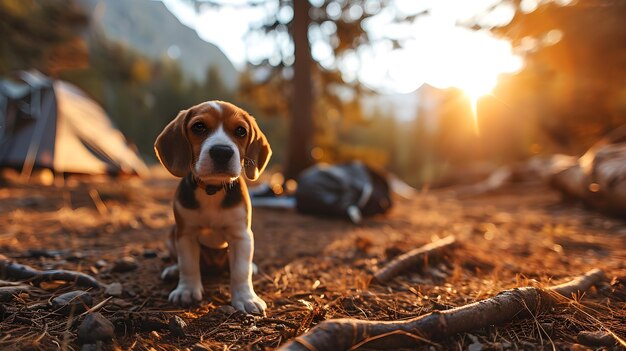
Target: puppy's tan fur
{"type": "Point", "coordinates": [212, 207]}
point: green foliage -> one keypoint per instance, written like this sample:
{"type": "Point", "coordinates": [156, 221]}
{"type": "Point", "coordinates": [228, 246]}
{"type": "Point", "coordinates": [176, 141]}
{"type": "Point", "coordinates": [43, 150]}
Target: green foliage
{"type": "Point", "coordinates": [141, 96]}
{"type": "Point", "coordinates": [39, 34]}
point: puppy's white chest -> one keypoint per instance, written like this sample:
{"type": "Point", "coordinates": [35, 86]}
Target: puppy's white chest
{"type": "Point", "coordinates": [210, 222]}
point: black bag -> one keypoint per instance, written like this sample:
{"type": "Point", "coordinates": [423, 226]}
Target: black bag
{"type": "Point", "coordinates": [350, 190]}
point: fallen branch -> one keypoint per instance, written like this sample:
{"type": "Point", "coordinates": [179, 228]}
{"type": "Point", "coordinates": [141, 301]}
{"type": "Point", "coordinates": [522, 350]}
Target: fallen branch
{"type": "Point", "coordinates": [16, 271]}
{"type": "Point", "coordinates": [414, 258]}
{"type": "Point", "coordinates": [496, 180]}
{"type": "Point", "coordinates": [344, 334]}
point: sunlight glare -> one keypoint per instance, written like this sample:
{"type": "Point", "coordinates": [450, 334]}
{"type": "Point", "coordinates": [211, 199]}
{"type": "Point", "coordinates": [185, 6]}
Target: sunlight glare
{"type": "Point", "coordinates": [446, 57]}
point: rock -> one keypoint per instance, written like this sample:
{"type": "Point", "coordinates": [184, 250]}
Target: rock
{"type": "Point", "coordinates": [95, 327]}
{"type": "Point", "coordinates": [75, 256]}
{"type": "Point", "coordinates": [45, 253]}
{"type": "Point", "coordinates": [177, 326]}
{"type": "Point", "coordinates": [101, 263]}
{"type": "Point", "coordinates": [149, 253]}
{"type": "Point", "coordinates": [595, 338]}
{"type": "Point", "coordinates": [124, 264]}
{"type": "Point", "coordinates": [72, 302]}
{"type": "Point", "coordinates": [114, 289]}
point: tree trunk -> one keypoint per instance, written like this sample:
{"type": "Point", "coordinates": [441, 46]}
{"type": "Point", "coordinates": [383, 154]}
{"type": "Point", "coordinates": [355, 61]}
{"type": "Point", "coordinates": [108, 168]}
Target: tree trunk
{"type": "Point", "coordinates": [301, 128]}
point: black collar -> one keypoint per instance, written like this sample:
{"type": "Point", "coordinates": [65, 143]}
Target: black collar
{"type": "Point", "coordinates": [212, 189]}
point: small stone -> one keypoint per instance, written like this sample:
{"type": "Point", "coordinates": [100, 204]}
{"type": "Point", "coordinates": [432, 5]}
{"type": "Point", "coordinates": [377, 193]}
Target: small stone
{"type": "Point", "coordinates": [149, 253]}
{"type": "Point", "coordinates": [72, 302]}
{"type": "Point", "coordinates": [45, 253]}
{"type": "Point", "coordinates": [177, 326]}
{"type": "Point", "coordinates": [124, 264]}
{"type": "Point", "coordinates": [595, 338]}
{"type": "Point", "coordinates": [114, 289]}
{"type": "Point", "coordinates": [95, 327]}
{"type": "Point", "coordinates": [75, 256]}
{"type": "Point", "coordinates": [101, 263]}
{"type": "Point", "coordinates": [475, 347]}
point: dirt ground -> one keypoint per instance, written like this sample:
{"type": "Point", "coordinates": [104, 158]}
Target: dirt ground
{"type": "Point", "coordinates": [310, 269]}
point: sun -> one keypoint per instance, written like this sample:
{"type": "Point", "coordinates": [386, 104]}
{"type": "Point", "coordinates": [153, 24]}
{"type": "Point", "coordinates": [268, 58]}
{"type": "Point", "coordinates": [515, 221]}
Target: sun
{"type": "Point", "coordinates": [475, 62]}
{"type": "Point", "coordinates": [476, 85]}
{"type": "Point", "coordinates": [445, 57]}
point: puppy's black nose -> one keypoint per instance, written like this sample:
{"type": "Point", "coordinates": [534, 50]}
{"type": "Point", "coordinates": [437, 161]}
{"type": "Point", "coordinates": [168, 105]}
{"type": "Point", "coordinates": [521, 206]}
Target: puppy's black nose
{"type": "Point", "coordinates": [221, 153]}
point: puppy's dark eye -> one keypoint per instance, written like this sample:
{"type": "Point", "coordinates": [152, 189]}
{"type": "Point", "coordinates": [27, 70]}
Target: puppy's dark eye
{"type": "Point", "coordinates": [198, 128]}
{"type": "Point", "coordinates": [241, 132]}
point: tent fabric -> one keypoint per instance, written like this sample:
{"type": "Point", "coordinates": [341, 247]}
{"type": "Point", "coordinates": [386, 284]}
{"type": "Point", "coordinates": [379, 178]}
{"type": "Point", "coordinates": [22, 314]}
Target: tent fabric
{"type": "Point", "coordinates": [53, 124]}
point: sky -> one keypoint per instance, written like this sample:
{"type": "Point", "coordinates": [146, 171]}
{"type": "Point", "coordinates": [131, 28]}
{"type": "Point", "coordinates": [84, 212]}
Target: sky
{"type": "Point", "coordinates": [437, 50]}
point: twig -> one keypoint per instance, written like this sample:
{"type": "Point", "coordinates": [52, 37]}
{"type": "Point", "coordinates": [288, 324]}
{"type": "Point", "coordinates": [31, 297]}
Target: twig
{"type": "Point", "coordinates": [16, 271]}
{"type": "Point", "coordinates": [97, 307]}
{"type": "Point", "coordinates": [97, 200]}
{"type": "Point", "coordinates": [343, 334]}
{"type": "Point", "coordinates": [414, 258]}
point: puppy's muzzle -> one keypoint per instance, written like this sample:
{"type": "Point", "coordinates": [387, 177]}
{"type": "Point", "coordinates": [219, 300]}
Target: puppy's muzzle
{"type": "Point", "coordinates": [221, 154]}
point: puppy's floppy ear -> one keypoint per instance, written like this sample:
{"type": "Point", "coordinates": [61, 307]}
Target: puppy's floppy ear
{"type": "Point", "coordinates": [258, 151]}
{"type": "Point", "coordinates": [172, 146]}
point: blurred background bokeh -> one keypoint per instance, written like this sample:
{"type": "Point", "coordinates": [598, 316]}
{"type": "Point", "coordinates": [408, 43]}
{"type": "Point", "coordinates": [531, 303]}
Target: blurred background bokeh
{"type": "Point", "coordinates": [430, 90]}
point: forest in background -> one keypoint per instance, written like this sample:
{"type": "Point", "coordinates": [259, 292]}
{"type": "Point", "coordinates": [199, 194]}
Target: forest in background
{"type": "Point", "coordinates": [571, 91]}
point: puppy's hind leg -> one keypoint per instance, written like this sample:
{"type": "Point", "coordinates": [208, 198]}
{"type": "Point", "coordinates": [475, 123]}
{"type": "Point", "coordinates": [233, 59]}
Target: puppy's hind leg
{"type": "Point", "coordinates": [170, 273]}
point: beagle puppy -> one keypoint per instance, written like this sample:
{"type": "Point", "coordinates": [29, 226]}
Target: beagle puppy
{"type": "Point", "coordinates": [210, 145]}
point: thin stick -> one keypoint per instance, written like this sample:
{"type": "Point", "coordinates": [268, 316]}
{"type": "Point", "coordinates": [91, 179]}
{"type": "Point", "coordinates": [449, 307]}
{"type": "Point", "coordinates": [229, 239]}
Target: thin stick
{"type": "Point", "coordinates": [343, 334]}
{"type": "Point", "coordinates": [414, 258]}
{"type": "Point", "coordinates": [97, 200]}
{"type": "Point", "coordinates": [97, 307]}
{"type": "Point", "coordinates": [16, 271]}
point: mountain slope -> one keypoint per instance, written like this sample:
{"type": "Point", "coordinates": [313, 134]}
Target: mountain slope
{"type": "Point", "coordinates": [149, 27]}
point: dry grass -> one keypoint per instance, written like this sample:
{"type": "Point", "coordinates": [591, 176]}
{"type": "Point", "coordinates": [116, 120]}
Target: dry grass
{"type": "Point", "coordinates": [312, 269]}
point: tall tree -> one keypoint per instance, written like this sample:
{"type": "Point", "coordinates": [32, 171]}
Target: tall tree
{"type": "Point", "coordinates": [41, 34]}
{"type": "Point", "coordinates": [301, 127]}
{"type": "Point", "coordinates": [572, 85]}
{"type": "Point", "coordinates": [295, 82]}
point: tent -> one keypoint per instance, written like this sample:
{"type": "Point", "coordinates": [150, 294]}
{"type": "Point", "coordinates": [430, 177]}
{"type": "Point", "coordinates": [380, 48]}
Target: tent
{"type": "Point", "coordinates": [52, 124]}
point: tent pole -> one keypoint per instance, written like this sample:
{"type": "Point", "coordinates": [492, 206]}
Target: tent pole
{"type": "Point", "coordinates": [33, 148]}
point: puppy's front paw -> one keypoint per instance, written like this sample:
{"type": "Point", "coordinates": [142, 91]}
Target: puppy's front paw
{"type": "Point", "coordinates": [249, 303]}
{"type": "Point", "coordinates": [186, 294]}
